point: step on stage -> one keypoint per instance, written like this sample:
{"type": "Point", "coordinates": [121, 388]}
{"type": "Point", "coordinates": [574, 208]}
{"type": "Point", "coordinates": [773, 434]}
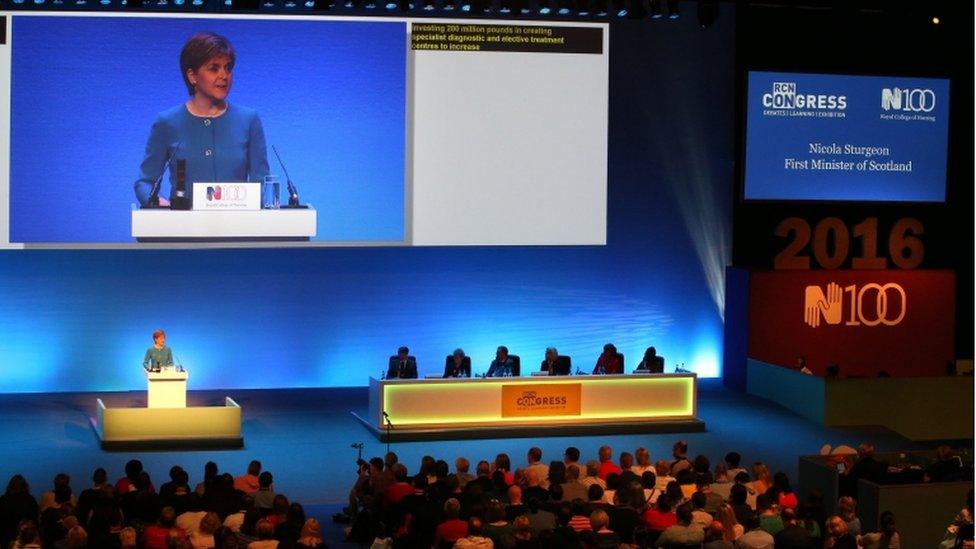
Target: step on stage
{"type": "Point", "coordinates": [436, 409]}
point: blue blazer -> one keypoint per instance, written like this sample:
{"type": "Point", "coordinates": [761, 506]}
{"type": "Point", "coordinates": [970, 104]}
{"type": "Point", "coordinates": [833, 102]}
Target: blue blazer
{"type": "Point", "coordinates": [224, 148]}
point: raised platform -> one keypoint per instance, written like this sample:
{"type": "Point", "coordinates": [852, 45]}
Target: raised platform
{"type": "Point", "coordinates": [192, 427]}
{"type": "Point", "coordinates": [919, 408]}
{"type": "Point", "coordinates": [522, 431]}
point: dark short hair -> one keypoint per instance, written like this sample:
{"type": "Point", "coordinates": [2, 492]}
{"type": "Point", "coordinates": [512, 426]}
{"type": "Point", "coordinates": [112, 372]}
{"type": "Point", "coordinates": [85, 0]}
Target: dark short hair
{"type": "Point", "coordinates": [535, 453]}
{"type": "Point", "coordinates": [502, 349]}
{"type": "Point", "coordinates": [595, 492]}
{"type": "Point", "coordinates": [265, 479]}
{"type": "Point", "coordinates": [572, 453]}
{"type": "Point", "coordinates": [684, 513]}
{"type": "Point", "coordinates": [699, 500]}
{"type": "Point", "coordinates": [403, 349]}
{"type": "Point", "coordinates": [199, 49]}
{"type": "Point", "coordinates": [733, 458]}
{"type": "Point", "coordinates": [610, 347]}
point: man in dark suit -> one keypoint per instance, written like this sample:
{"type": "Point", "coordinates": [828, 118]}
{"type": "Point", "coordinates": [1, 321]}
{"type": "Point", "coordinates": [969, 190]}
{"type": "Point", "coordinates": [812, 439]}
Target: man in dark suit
{"type": "Point", "coordinates": [503, 365]}
{"type": "Point", "coordinates": [554, 364]}
{"type": "Point", "coordinates": [402, 366]}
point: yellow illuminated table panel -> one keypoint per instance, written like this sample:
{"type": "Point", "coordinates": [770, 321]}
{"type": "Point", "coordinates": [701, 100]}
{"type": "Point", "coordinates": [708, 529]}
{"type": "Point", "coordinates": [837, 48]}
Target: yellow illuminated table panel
{"type": "Point", "coordinates": [492, 402]}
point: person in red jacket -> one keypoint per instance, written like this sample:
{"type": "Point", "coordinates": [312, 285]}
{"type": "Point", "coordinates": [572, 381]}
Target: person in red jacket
{"type": "Point", "coordinates": [609, 361]}
{"type": "Point", "coordinates": [155, 536]}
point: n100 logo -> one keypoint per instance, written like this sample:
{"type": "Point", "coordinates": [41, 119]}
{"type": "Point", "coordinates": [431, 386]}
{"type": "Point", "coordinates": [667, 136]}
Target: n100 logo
{"type": "Point", "coordinates": [871, 305]}
{"type": "Point", "coordinates": [905, 99]}
{"type": "Point", "coordinates": [226, 192]}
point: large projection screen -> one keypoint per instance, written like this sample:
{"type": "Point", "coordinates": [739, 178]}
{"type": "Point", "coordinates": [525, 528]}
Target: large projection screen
{"type": "Point", "coordinates": [393, 131]}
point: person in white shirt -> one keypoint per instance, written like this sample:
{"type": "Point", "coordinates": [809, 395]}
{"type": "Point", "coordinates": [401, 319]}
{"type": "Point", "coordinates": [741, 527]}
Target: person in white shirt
{"type": "Point", "coordinates": [732, 460]}
{"type": "Point", "coordinates": [535, 464]}
{"type": "Point", "coordinates": [593, 475]}
{"type": "Point", "coordinates": [642, 463]}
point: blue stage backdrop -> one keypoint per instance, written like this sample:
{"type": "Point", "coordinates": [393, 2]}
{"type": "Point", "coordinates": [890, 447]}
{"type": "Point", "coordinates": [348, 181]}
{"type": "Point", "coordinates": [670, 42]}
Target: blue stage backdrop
{"type": "Point", "coordinates": [73, 320]}
{"type": "Point", "coordinates": [85, 92]}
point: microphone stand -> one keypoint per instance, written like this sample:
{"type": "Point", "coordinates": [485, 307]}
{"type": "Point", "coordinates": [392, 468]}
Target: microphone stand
{"type": "Point", "coordinates": [153, 199]}
{"type": "Point", "coordinates": [389, 427]}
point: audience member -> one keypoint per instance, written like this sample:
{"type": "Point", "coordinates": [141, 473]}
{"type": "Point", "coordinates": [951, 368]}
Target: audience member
{"type": "Point", "coordinates": [847, 510]}
{"type": "Point", "coordinates": [580, 521]}
{"type": "Point", "coordinates": [731, 529]}
{"type": "Point", "coordinates": [680, 462]}
{"type": "Point", "coordinates": [593, 475]}
{"type": "Point", "coordinates": [535, 464]}
{"type": "Point", "coordinates": [475, 538]}
{"type": "Point", "coordinates": [755, 539]}
{"type": "Point", "coordinates": [210, 472]}
{"type": "Point", "coordinates": [743, 512]}
{"type": "Point", "coordinates": [504, 464]}
{"type": "Point", "coordinates": [264, 532]}
{"type": "Point", "coordinates": [762, 480]}
{"type": "Point", "coordinates": [603, 536]}
{"type": "Point", "coordinates": [886, 538]}
{"type": "Point", "coordinates": [156, 535]}
{"type": "Point", "coordinates": [264, 497]}
{"type": "Point", "coordinates": [663, 473]}
{"type": "Point", "coordinates": [838, 536]}
{"type": "Point", "coordinates": [769, 519]}
{"type": "Point", "coordinates": [684, 533]}
{"type": "Point", "coordinates": [607, 465]}
{"type": "Point", "coordinates": [452, 528]}
{"type": "Point", "coordinates": [642, 462]}
{"type": "Point", "coordinates": [661, 516]}
{"type": "Point", "coordinates": [794, 534]}
{"type": "Point", "coordinates": [703, 485]}
{"type": "Point", "coordinates": [732, 461]}
{"type": "Point", "coordinates": [700, 517]}
{"type": "Point", "coordinates": [946, 466]}
{"type": "Point", "coordinates": [714, 537]}
{"type": "Point", "coordinates": [781, 490]}
{"type": "Point", "coordinates": [461, 465]}
{"type": "Point", "coordinates": [573, 489]}
{"type": "Point", "coordinates": [59, 495]}
{"type": "Point", "coordinates": [203, 538]}
{"type": "Point", "coordinates": [571, 456]}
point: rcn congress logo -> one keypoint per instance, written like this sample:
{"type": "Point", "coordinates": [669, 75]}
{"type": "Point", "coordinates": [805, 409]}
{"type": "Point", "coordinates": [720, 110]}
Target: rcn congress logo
{"type": "Point", "coordinates": [786, 100]}
{"type": "Point", "coordinates": [221, 193]}
{"type": "Point", "coordinates": [870, 305]}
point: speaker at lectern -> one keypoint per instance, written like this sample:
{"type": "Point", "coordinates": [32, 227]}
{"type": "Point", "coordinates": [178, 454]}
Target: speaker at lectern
{"type": "Point", "coordinates": [167, 387]}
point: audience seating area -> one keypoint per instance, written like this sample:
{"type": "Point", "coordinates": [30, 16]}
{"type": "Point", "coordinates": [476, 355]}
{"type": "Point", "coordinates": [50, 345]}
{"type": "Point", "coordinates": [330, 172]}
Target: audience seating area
{"type": "Point", "coordinates": [588, 501]}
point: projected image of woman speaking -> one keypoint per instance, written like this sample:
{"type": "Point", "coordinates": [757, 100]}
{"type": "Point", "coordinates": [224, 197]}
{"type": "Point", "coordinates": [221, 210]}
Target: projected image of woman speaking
{"type": "Point", "coordinates": [219, 141]}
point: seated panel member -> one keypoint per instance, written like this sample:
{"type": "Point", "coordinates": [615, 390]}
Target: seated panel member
{"type": "Point", "coordinates": [652, 362]}
{"type": "Point", "coordinates": [158, 354]}
{"type": "Point", "coordinates": [503, 365]}
{"type": "Point", "coordinates": [609, 362]}
{"type": "Point", "coordinates": [457, 364]}
{"type": "Point", "coordinates": [402, 366]}
{"type": "Point", "coordinates": [554, 364]}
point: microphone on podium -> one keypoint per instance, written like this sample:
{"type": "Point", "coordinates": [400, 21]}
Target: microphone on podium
{"type": "Point", "coordinates": [153, 200]}
{"type": "Point", "coordinates": [293, 201]}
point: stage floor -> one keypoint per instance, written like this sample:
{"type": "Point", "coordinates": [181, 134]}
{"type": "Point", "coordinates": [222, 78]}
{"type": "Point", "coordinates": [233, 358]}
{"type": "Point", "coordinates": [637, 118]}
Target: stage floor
{"type": "Point", "coordinates": [304, 437]}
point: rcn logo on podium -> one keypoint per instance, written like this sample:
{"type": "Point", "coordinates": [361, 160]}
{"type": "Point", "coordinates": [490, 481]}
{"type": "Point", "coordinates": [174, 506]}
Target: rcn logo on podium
{"type": "Point", "coordinates": [226, 192]}
{"type": "Point", "coordinates": [830, 308]}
